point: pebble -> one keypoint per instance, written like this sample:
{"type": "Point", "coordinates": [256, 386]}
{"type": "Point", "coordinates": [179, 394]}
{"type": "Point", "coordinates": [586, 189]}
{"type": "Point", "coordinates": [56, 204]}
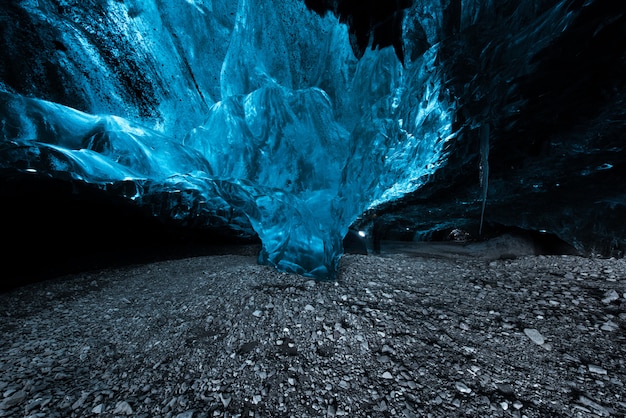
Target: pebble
{"type": "Point", "coordinates": [610, 296]}
{"type": "Point", "coordinates": [461, 387]}
{"type": "Point", "coordinates": [369, 330]}
{"type": "Point", "coordinates": [609, 326]}
{"type": "Point", "coordinates": [597, 369]}
{"type": "Point", "coordinates": [534, 335]}
{"type": "Point", "coordinates": [123, 407]}
{"type": "Point", "coordinates": [505, 389]}
{"type": "Point", "coordinates": [225, 399]}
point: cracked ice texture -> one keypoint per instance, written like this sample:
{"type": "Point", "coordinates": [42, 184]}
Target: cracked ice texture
{"type": "Point", "coordinates": [302, 173]}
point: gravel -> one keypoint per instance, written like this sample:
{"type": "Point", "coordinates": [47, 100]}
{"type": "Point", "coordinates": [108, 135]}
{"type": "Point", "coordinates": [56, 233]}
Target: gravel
{"type": "Point", "coordinates": [396, 335]}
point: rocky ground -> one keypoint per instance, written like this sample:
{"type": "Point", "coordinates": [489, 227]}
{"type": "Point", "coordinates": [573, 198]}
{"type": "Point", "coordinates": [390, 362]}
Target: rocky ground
{"type": "Point", "coordinates": [404, 334]}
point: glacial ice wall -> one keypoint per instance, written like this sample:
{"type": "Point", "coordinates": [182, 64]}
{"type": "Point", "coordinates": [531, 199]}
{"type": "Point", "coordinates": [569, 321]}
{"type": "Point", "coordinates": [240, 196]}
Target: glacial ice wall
{"type": "Point", "coordinates": [265, 114]}
{"type": "Point", "coordinates": [304, 171]}
{"type": "Point", "coordinates": [302, 139]}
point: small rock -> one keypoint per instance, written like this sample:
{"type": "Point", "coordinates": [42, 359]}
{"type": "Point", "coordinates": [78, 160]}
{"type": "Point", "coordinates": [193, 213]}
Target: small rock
{"type": "Point", "coordinates": [257, 313]}
{"type": "Point", "coordinates": [15, 399]}
{"type": "Point", "coordinates": [78, 403]}
{"type": "Point", "coordinates": [387, 376]}
{"type": "Point", "coordinates": [596, 369]}
{"type": "Point", "coordinates": [388, 350]}
{"type": "Point", "coordinates": [609, 326]}
{"type": "Point", "coordinates": [382, 406]}
{"type": "Point", "coordinates": [309, 308]}
{"type": "Point", "coordinates": [598, 409]}
{"type": "Point", "coordinates": [461, 387]}
{"type": "Point", "coordinates": [534, 335]}
{"type": "Point", "coordinates": [225, 399]}
{"type": "Point", "coordinates": [37, 403]}
{"type": "Point", "coordinates": [98, 409]}
{"type": "Point", "coordinates": [610, 296]}
{"type": "Point", "coordinates": [186, 414]}
{"type": "Point", "coordinates": [505, 389]}
{"type": "Point", "coordinates": [123, 407]}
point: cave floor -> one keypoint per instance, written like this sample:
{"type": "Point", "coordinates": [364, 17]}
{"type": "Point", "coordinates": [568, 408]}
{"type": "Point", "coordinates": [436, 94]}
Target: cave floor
{"type": "Point", "coordinates": [399, 334]}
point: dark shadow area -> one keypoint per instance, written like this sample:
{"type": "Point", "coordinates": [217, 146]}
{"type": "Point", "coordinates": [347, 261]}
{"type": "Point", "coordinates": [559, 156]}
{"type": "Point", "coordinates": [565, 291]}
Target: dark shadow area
{"type": "Point", "coordinates": [505, 244]}
{"type": "Point", "coordinates": [370, 22]}
{"type": "Point", "coordinates": [52, 227]}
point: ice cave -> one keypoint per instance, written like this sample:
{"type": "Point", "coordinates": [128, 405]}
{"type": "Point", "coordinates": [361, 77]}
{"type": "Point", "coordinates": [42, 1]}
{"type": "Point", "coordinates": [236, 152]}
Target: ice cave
{"type": "Point", "coordinates": [308, 124]}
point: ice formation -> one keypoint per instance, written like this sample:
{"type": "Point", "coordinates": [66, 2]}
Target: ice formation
{"type": "Point", "coordinates": [290, 115]}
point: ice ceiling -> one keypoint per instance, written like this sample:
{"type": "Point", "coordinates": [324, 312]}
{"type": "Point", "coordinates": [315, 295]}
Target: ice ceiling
{"type": "Point", "coordinates": [297, 120]}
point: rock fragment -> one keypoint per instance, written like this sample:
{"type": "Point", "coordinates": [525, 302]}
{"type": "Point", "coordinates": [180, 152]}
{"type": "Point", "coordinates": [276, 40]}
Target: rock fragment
{"type": "Point", "coordinates": [597, 369]}
{"type": "Point", "coordinates": [12, 400]}
{"type": "Point", "coordinates": [535, 336]}
{"type": "Point", "coordinates": [609, 326]}
{"type": "Point", "coordinates": [124, 408]}
{"type": "Point", "coordinates": [610, 296]}
{"type": "Point", "coordinates": [596, 407]}
{"type": "Point", "coordinates": [462, 387]}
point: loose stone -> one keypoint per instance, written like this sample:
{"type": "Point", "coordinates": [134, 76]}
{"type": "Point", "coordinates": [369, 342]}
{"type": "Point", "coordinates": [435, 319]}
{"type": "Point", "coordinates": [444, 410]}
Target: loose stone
{"type": "Point", "coordinates": [534, 335]}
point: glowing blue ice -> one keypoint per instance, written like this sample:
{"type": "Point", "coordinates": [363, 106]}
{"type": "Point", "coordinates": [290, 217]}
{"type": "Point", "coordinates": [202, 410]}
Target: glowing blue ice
{"type": "Point", "coordinates": [303, 139]}
{"type": "Point", "coordinates": [285, 125]}
{"type": "Point", "coordinates": [293, 167]}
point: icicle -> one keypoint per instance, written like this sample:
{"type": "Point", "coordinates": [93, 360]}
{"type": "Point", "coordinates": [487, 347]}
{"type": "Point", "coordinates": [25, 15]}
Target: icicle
{"type": "Point", "coordinates": [484, 170]}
